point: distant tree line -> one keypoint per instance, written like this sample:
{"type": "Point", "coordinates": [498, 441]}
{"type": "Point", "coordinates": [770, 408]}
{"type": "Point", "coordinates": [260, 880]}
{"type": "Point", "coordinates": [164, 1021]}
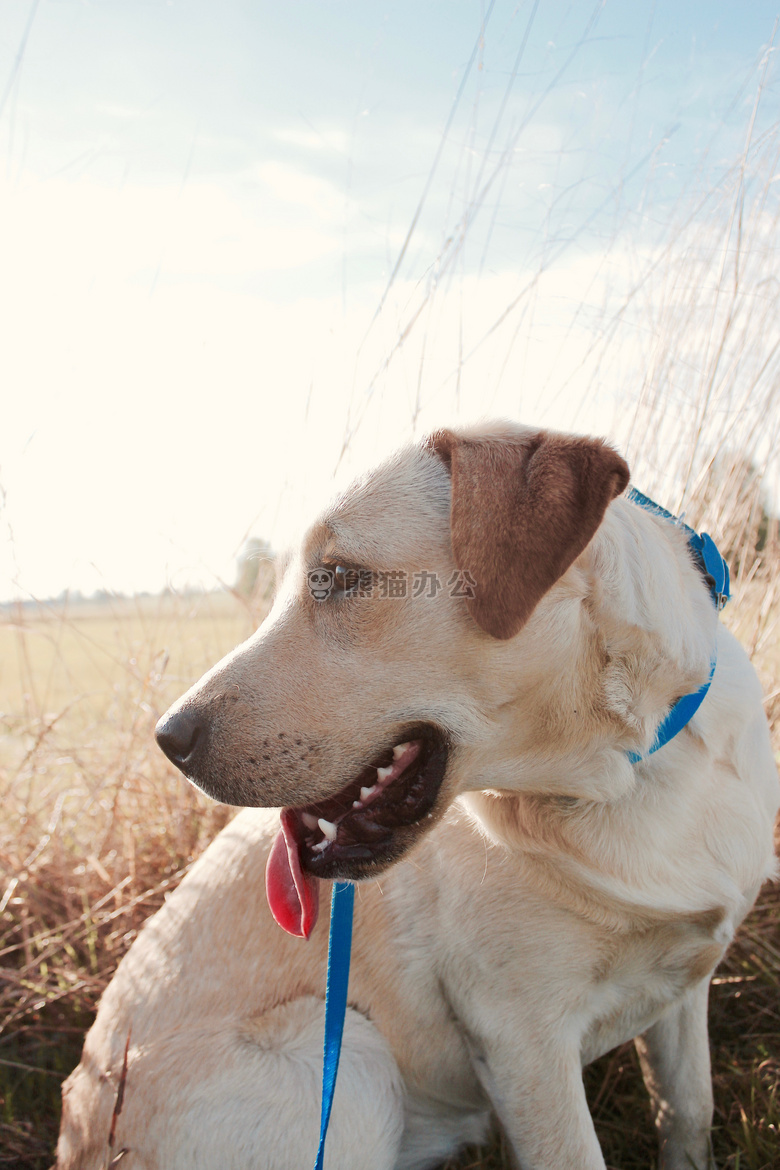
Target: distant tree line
{"type": "Point", "coordinates": [256, 570]}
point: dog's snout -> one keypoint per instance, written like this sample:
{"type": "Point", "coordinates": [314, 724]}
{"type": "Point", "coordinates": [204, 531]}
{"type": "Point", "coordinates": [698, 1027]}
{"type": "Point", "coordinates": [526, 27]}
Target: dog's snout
{"type": "Point", "coordinates": [177, 735]}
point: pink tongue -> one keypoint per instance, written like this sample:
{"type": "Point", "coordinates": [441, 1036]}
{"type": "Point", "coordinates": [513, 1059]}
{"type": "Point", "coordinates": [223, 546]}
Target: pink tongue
{"type": "Point", "coordinates": [293, 895]}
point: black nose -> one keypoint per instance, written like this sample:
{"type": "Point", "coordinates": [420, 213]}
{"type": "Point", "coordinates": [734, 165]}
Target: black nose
{"type": "Point", "coordinates": [177, 735]}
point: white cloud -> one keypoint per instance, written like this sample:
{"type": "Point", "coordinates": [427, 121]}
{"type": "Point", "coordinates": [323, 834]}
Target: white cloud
{"type": "Point", "coordinates": [292, 187]}
{"type": "Point", "coordinates": [78, 233]}
{"type": "Point", "coordinates": [333, 140]}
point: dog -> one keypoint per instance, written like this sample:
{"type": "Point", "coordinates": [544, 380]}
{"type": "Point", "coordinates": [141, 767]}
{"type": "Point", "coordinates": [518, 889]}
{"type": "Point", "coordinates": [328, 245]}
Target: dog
{"type": "Point", "coordinates": [535, 885]}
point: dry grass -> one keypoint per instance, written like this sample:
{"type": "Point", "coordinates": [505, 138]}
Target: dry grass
{"type": "Point", "coordinates": [96, 825]}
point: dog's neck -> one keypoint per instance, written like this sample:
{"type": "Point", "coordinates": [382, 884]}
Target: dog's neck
{"type": "Point", "coordinates": [636, 631]}
{"type": "Point", "coordinates": [627, 631]}
{"type": "Point", "coordinates": [652, 616]}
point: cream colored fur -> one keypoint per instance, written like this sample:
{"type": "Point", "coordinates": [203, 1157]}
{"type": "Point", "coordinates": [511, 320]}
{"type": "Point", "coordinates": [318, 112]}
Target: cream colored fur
{"type": "Point", "coordinates": [564, 902]}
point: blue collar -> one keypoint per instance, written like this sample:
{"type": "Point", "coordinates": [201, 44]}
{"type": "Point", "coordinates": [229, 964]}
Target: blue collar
{"type": "Point", "coordinates": [715, 572]}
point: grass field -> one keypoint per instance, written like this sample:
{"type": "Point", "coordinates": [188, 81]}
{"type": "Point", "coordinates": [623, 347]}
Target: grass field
{"type": "Point", "coordinates": [97, 827]}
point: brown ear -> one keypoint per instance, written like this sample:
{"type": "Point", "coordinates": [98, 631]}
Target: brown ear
{"type": "Point", "coordinates": [523, 509]}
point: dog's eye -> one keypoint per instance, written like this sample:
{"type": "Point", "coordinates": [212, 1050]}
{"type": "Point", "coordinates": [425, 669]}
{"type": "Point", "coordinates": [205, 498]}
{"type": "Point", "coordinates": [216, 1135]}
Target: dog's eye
{"type": "Point", "coordinates": [345, 580]}
{"type": "Point", "coordinates": [351, 581]}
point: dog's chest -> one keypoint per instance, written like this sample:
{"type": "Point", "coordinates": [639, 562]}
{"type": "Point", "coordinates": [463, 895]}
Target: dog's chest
{"type": "Point", "coordinates": [515, 960]}
{"type": "Point", "coordinates": [643, 973]}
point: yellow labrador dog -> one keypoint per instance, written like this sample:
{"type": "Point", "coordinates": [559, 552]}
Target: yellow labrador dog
{"type": "Point", "coordinates": [452, 698]}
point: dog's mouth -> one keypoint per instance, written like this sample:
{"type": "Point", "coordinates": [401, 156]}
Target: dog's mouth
{"type": "Point", "coordinates": [363, 828]}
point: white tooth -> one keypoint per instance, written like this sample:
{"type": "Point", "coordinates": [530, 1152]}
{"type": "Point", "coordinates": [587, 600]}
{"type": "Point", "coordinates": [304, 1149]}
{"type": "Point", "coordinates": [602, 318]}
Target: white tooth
{"type": "Point", "coordinates": [399, 750]}
{"type": "Point", "coordinates": [356, 803]}
{"type": "Point", "coordinates": [383, 773]}
{"type": "Point", "coordinates": [319, 847]}
{"type": "Point", "coordinates": [309, 821]}
{"type": "Point", "coordinates": [366, 792]}
{"type": "Point", "coordinates": [328, 828]}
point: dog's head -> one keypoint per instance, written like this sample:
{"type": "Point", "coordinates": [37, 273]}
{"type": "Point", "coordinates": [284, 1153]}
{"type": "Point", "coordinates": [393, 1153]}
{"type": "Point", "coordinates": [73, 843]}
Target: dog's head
{"type": "Point", "coordinates": [386, 657]}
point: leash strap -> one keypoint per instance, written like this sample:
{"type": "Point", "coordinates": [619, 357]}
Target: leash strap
{"type": "Point", "coordinates": [339, 948]}
{"type": "Point", "coordinates": [715, 572]}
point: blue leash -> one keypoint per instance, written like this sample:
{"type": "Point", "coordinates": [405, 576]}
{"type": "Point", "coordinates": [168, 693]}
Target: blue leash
{"type": "Point", "coordinates": [339, 947]}
{"type": "Point", "coordinates": [715, 572]}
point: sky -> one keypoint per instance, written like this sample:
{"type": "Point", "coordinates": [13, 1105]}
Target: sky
{"type": "Point", "coordinates": [247, 248]}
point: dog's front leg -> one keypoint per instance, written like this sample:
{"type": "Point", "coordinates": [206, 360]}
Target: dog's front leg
{"type": "Point", "coordinates": [536, 1089]}
{"type": "Point", "coordinates": [675, 1059]}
